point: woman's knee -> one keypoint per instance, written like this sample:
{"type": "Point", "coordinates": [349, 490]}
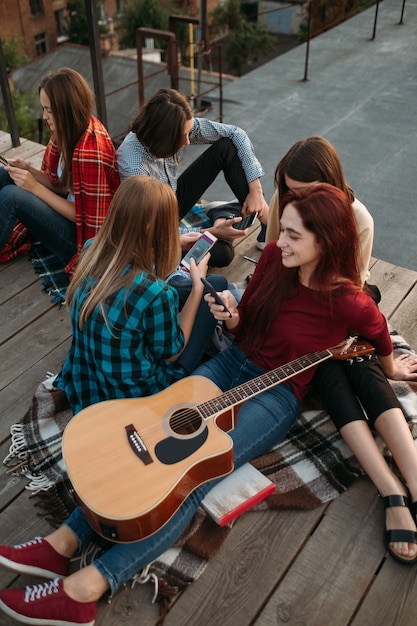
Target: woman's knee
{"type": "Point", "coordinates": [5, 178]}
{"type": "Point", "coordinates": [221, 254]}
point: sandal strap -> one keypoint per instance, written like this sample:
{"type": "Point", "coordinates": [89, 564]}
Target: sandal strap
{"type": "Point", "coordinates": [395, 500]}
{"type": "Point", "coordinates": [401, 536]}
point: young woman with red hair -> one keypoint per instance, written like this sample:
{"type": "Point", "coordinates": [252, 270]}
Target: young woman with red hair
{"type": "Point", "coordinates": [308, 162]}
{"type": "Point", "coordinates": [305, 296]}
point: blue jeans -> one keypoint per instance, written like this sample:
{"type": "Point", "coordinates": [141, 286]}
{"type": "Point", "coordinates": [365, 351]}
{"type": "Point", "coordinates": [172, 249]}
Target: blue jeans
{"type": "Point", "coordinates": [54, 231]}
{"type": "Point", "coordinates": [262, 422]}
{"type": "Point", "coordinates": [205, 323]}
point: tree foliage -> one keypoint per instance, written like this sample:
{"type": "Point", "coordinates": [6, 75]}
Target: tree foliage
{"type": "Point", "coordinates": [26, 110]}
{"type": "Point", "coordinates": [11, 55]}
{"type": "Point", "coordinates": [78, 27]}
{"type": "Point", "coordinates": [143, 13]}
{"type": "Point", "coordinates": [246, 40]}
{"type": "Point", "coordinates": [328, 13]}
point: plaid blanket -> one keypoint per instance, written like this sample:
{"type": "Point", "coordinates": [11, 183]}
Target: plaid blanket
{"type": "Point", "coordinates": [51, 270]}
{"type": "Point", "coordinates": [20, 242]}
{"type": "Point", "coordinates": [311, 466]}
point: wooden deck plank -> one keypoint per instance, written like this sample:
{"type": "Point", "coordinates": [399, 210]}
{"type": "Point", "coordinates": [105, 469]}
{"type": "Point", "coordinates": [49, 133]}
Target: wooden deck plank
{"type": "Point", "coordinates": [28, 150]}
{"type": "Point", "coordinates": [33, 343]}
{"type": "Point", "coordinates": [254, 557]}
{"type": "Point", "coordinates": [330, 575]}
{"type": "Point", "coordinates": [405, 317]}
{"type": "Point", "coordinates": [15, 397]}
{"type": "Point", "coordinates": [394, 283]}
{"type": "Point", "coordinates": [19, 312]}
{"type": "Point", "coordinates": [392, 598]}
{"type": "Point", "coordinates": [16, 276]}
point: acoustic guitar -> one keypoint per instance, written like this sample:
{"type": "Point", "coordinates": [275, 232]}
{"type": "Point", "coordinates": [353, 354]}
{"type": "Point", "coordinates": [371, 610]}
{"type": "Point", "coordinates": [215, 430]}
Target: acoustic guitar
{"type": "Point", "coordinates": [132, 462]}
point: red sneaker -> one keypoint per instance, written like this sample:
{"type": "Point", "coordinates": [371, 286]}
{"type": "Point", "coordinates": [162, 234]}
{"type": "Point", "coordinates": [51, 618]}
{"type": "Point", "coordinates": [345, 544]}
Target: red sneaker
{"type": "Point", "coordinates": [36, 557]}
{"type": "Point", "coordinates": [47, 604]}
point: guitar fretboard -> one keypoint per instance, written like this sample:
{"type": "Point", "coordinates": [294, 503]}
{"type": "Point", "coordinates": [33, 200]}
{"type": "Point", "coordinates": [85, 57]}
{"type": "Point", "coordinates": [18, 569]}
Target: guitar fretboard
{"type": "Point", "coordinates": [262, 382]}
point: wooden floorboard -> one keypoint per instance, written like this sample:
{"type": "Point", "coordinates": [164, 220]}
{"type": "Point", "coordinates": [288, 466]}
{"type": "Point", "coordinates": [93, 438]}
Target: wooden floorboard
{"type": "Point", "coordinates": [326, 566]}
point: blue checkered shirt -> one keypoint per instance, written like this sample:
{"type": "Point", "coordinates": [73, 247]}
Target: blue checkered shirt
{"type": "Point", "coordinates": [125, 357]}
{"type": "Point", "coordinates": [133, 158]}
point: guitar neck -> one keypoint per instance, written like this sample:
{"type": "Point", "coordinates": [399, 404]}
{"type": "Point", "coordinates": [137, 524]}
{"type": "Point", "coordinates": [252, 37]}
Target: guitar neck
{"type": "Point", "coordinates": [261, 383]}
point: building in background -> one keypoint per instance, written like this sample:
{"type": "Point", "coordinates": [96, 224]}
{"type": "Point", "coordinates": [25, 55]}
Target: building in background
{"type": "Point", "coordinates": [41, 25]}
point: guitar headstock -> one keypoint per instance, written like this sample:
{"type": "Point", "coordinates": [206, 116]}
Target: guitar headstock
{"type": "Point", "coordinates": [351, 348]}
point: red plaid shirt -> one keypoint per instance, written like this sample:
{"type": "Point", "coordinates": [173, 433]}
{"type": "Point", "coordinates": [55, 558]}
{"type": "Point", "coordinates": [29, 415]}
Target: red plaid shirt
{"type": "Point", "coordinates": [95, 180]}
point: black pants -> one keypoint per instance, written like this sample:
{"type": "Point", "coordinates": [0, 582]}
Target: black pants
{"type": "Point", "coordinates": [196, 179]}
{"type": "Point", "coordinates": [343, 387]}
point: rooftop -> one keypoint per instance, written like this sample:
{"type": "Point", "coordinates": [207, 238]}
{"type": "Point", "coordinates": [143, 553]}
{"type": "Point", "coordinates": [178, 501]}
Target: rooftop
{"type": "Point", "coordinates": [361, 94]}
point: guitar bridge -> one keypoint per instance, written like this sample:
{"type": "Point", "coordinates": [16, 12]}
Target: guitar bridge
{"type": "Point", "coordinates": [137, 444]}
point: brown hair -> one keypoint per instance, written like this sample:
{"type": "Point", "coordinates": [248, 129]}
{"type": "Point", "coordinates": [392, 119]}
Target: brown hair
{"type": "Point", "coordinates": [159, 125]}
{"type": "Point", "coordinates": [310, 160]}
{"type": "Point", "coordinates": [72, 103]}
{"type": "Point", "coordinates": [140, 233]}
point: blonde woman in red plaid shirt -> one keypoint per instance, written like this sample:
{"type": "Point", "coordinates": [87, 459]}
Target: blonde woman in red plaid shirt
{"type": "Point", "coordinates": [65, 203]}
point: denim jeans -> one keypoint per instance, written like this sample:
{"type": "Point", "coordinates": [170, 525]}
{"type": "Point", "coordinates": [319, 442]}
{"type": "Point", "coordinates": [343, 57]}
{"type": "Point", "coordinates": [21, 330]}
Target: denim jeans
{"type": "Point", "coordinates": [262, 422]}
{"type": "Point", "coordinates": [54, 231]}
{"type": "Point", "coordinates": [204, 324]}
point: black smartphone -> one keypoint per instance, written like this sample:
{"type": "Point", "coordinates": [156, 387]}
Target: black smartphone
{"type": "Point", "coordinates": [3, 160]}
{"type": "Point", "coordinates": [215, 295]}
{"type": "Point", "coordinates": [199, 249]}
{"type": "Point", "coordinates": [246, 222]}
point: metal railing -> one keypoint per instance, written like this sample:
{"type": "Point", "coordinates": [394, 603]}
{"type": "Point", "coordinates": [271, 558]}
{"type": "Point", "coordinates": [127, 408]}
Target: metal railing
{"type": "Point", "coordinates": [172, 61]}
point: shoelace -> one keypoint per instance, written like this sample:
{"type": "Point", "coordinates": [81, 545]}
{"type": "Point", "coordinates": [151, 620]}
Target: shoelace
{"type": "Point", "coordinates": [36, 592]}
{"type": "Point", "coordinates": [32, 542]}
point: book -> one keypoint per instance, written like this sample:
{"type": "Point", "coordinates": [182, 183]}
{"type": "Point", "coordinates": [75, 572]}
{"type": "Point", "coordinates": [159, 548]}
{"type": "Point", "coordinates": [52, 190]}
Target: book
{"type": "Point", "coordinates": [237, 493]}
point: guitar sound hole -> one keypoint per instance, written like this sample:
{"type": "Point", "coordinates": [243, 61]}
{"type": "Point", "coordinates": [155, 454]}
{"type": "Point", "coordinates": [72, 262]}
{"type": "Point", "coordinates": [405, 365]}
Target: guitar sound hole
{"type": "Point", "coordinates": [186, 421]}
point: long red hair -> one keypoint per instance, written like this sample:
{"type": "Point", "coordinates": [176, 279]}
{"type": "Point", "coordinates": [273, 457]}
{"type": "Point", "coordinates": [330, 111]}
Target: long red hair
{"type": "Point", "coordinates": [326, 212]}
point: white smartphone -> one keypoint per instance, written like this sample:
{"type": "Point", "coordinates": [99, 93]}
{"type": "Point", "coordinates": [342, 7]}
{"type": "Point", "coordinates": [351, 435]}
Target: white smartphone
{"type": "Point", "coordinates": [199, 249]}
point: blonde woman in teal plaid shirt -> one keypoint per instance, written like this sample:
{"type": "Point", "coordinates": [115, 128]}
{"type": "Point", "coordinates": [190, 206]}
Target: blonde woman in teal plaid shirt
{"type": "Point", "coordinates": [129, 338]}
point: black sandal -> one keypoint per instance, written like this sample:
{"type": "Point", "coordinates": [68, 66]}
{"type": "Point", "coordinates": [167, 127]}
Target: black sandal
{"type": "Point", "coordinates": [399, 535]}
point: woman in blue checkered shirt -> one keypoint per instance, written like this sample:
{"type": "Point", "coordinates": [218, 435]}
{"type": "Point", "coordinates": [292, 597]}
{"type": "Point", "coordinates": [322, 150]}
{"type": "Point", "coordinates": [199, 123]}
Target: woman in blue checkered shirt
{"type": "Point", "coordinates": [154, 147]}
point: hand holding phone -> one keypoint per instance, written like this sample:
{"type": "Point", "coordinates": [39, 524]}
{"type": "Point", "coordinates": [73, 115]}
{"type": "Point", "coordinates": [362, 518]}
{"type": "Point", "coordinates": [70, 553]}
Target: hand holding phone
{"type": "Point", "coordinates": [246, 221]}
{"type": "Point", "coordinates": [215, 295]}
{"type": "Point", "coordinates": [199, 249]}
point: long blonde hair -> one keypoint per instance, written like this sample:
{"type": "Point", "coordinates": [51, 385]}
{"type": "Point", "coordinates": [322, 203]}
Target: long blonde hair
{"type": "Point", "coordinates": [140, 233]}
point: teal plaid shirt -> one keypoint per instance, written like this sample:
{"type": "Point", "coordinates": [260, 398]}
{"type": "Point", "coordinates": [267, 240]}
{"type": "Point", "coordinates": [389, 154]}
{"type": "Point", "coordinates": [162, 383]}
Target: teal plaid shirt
{"type": "Point", "coordinates": [124, 355]}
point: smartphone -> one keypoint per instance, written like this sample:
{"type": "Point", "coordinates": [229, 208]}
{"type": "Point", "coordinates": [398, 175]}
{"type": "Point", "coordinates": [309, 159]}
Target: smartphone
{"type": "Point", "coordinates": [246, 222]}
{"type": "Point", "coordinates": [215, 295]}
{"type": "Point", "coordinates": [199, 249]}
{"type": "Point", "coordinates": [3, 160]}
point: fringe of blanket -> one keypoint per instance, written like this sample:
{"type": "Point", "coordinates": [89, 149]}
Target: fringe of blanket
{"type": "Point", "coordinates": [51, 270]}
